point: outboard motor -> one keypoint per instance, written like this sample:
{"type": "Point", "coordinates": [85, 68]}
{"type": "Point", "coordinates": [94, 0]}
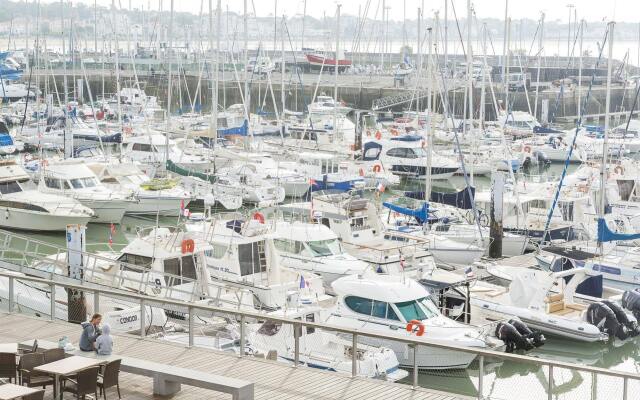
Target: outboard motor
{"type": "Point", "coordinates": [517, 336]}
{"type": "Point", "coordinates": [623, 318]}
{"type": "Point", "coordinates": [603, 317]}
{"type": "Point", "coordinates": [536, 337]}
{"type": "Point", "coordinates": [541, 157]}
{"type": "Point", "coordinates": [631, 301]}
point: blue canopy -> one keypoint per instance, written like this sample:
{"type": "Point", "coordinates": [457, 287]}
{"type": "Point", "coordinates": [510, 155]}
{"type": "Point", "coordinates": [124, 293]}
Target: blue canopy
{"type": "Point", "coordinates": [239, 130]}
{"type": "Point", "coordinates": [606, 235]}
{"type": "Point", "coordinates": [420, 214]}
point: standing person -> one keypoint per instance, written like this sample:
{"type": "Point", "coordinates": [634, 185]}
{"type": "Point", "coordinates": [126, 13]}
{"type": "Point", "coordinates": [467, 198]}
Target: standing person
{"type": "Point", "coordinates": [104, 342]}
{"type": "Point", "coordinates": [90, 332]}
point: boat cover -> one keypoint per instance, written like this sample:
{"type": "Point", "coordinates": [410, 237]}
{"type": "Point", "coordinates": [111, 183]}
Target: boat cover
{"type": "Point", "coordinates": [420, 214]}
{"type": "Point", "coordinates": [606, 235]}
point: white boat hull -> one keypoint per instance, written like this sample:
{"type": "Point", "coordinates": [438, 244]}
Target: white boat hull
{"type": "Point", "coordinates": [37, 221]}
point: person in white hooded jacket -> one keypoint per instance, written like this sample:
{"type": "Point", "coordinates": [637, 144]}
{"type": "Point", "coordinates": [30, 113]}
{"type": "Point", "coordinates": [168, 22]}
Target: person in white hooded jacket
{"type": "Point", "coordinates": [104, 342]}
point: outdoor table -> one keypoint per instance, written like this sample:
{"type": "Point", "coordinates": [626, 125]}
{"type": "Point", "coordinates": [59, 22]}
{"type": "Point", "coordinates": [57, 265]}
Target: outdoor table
{"type": "Point", "coordinates": [9, 348]}
{"type": "Point", "coordinates": [66, 366]}
{"type": "Point", "coordinates": [9, 391]}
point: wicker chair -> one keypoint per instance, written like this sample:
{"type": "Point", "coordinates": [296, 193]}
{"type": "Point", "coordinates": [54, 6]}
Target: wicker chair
{"type": "Point", "coordinates": [39, 395]}
{"type": "Point", "coordinates": [53, 355]}
{"type": "Point", "coordinates": [29, 377]}
{"type": "Point", "coordinates": [8, 367]}
{"type": "Point", "coordinates": [85, 382]}
{"type": "Point", "coordinates": [109, 378]}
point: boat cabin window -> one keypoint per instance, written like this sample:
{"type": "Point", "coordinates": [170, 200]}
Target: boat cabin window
{"type": "Point", "coordinates": [80, 183]}
{"type": "Point", "coordinates": [359, 223]}
{"type": "Point", "coordinates": [397, 152]}
{"type": "Point", "coordinates": [289, 246]}
{"type": "Point", "coordinates": [52, 183]}
{"type": "Point", "coordinates": [218, 251]}
{"type": "Point", "coordinates": [137, 260]}
{"type": "Point", "coordinates": [359, 305]}
{"type": "Point", "coordinates": [252, 258]}
{"type": "Point", "coordinates": [10, 187]}
{"type": "Point", "coordinates": [321, 248]}
{"type": "Point", "coordinates": [142, 147]}
{"type": "Point", "coordinates": [179, 268]}
{"type": "Point", "coordinates": [21, 206]}
{"type": "Point", "coordinates": [417, 309]}
{"type": "Point", "coordinates": [383, 310]}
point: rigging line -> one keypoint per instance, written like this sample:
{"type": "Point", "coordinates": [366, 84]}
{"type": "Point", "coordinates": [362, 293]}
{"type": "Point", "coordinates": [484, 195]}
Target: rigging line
{"type": "Point", "coordinates": [446, 106]}
{"type": "Point", "coordinates": [565, 71]}
{"type": "Point", "coordinates": [455, 17]}
{"type": "Point", "coordinates": [295, 62]}
{"type": "Point", "coordinates": [575, 136]}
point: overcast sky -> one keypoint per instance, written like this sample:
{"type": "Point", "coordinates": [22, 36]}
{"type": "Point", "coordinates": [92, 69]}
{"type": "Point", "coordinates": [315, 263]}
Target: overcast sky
{"type": "Point", "coordinates": [590, 10]}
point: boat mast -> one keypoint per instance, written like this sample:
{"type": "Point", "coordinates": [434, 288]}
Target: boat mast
{"type": "Point", "coordinates": [337, 69]}
{"type": "Point", "coordinates": [117, 66]}
{"type": "Point", "coordinates": [580, 69]}
{"type": "Point", "coordinates": [427, 186]}
{"type": "Point", "coordinates": [67, 135]}
{"type": "Point", "coordinates": [170, 85]}
{"type": "Point", "coordinates": [446, 36]}
{"type": "Point", "coordinates": [540, 44]}
{"type": "Point", "coordinates": [605, 142]}
{"type": "Point", "coordinates": [505, 43]}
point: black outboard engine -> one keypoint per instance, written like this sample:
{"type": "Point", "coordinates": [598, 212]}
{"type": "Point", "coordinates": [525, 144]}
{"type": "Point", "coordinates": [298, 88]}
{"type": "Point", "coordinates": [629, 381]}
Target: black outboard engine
{"type": "Point", "coordinates": [536, 337]}
{"type": "Point", "coordinates": [623, 318]}
{"type": "Point", "coordinates": [517, 336]}
{"type": "Point", "coordinates": [603, 317]}
{"type": "Point", "coordinates": [541, 157]}
{"type": "Point", "coordinates": [631, 301]}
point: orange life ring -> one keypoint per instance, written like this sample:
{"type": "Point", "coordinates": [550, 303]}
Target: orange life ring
{"type": "Point", "coordinates": [619, 170]}
{"type": "Point", "coordinates": [527, 149]}
{"type": "Point", "coordinates": [394, 132]}
{"type": "Point", "coordinates": [378, 135]}
{"type": "Point", "coordinates": [361, 172]}
{"type": "Point", "coordinates": [188, 246]}
{"type": "Point", "coordinates": [418, 325]}
{"type": "Point", "coordinates": [376, 168]}
{"type": "Point", "coordinates": [128, 130]}
{"type": "Point", "coordinates": [259, 217]}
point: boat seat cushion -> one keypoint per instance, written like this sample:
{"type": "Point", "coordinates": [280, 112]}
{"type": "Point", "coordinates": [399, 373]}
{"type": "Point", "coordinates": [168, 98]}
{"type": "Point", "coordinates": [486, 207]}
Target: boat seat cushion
{"type": "Point", "coordinates": [555, 307]}
{"type": "Point", "coordinates": [553, 298]}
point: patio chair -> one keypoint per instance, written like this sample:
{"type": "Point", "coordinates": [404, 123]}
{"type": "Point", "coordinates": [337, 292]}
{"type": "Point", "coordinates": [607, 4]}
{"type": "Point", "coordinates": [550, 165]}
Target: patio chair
{"type": "Point", "coordinates": [109, 378]}
{"type": "Point", "coordinates": [8, 367]}
{"type": "Point", "coordinates": [29, 377]}
{"type": "Point", "coordinates": [85, 382]}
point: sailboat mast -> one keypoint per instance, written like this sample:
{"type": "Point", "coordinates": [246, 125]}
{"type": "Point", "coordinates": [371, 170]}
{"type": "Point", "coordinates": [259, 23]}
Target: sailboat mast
{"type": "Point", "coordinates": [605, 142]}
{"type": "Point", "coordinates": [427, 186]}
{"type": "Point", "coordinates": [580, 69]}
{"type": "Point", "coordinates": [337, 69]}
{"type": "Point", "coordinates": [117, 66]}
{"type": "Point", "coordinates": [170, 85]}
{"type": "Point", "coordinates": [505, 43]}
{"type": "Point", "coordinates": [540, 44]}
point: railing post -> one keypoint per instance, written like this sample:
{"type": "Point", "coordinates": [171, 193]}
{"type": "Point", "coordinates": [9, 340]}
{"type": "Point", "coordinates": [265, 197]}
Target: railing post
{"type": "Point", "coordinates": [354, 355]}
{"type": "Point", "coordinates": [143, 318]}
{"type": "Point", "coordinates": [550, 388]}
{"type": "Point", "coordinates": [10, 294]}
{"type": "Point", "coordinates": [190, 311]}
{"type": "Point", "coordinates": [242, 336]}
{"type": "Point", "coordinates": [52, 298]}
{"type": "Point", "coordinates": [481, 378]}
{"type": "Point", "coordinates": [96, 302]}
{"type": "Point", "coordinates": [625, 388]}
{"type": "Point", "coordinates": [415, 366]}
{"type": "Point", "coordinates": [296, 350]}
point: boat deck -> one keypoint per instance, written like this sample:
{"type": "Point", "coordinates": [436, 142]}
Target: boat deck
{"type": "Point", "coordinates": [272, 380]}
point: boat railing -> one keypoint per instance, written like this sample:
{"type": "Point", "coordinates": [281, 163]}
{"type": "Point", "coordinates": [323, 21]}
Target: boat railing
{"type": "Point", "coordinates": [598, 382]}
{"type": "Point", "coordinates": [29, 256]}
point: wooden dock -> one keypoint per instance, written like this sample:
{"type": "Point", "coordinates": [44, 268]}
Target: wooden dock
{"type": "Point", "coordinates": [272, 380]}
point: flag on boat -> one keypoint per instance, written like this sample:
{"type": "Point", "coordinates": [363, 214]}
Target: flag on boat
{"type": "Point", "coordinates": [303, 284]}
{"type": "Point", "coordinates": [469, 273]}
{"type": "Point", "coordinates": [112, 231]}
{"type": "Point", "coordinates": [181, 206]}
{"type": "Point", "coordinates": [380, 187]}
{"type": "Point", "coordinates": [402, 261]}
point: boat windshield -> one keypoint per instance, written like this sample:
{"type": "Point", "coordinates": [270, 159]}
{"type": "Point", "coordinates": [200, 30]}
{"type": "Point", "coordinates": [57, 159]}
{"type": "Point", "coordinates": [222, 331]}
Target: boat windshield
{"type": "Point", "coordinates": [417, 309]}
{"type": "Point", "coordinates": [79, 183]}
{"type": "Point", "coordinates": [10, 187]}
{"type": "Point", "coordinates": [321, 248]}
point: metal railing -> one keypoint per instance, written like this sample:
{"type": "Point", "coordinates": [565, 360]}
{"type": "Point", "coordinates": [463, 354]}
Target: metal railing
{"type": "Point", "coordinates": [244, 317]}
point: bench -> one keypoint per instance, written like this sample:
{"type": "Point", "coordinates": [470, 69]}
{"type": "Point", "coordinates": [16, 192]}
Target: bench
{"type": "Point", "coordinates": [167, 379]}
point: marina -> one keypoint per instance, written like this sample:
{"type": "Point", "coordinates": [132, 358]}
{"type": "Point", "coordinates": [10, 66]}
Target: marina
{"type": "Point", "coordinates": [295, 200]}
